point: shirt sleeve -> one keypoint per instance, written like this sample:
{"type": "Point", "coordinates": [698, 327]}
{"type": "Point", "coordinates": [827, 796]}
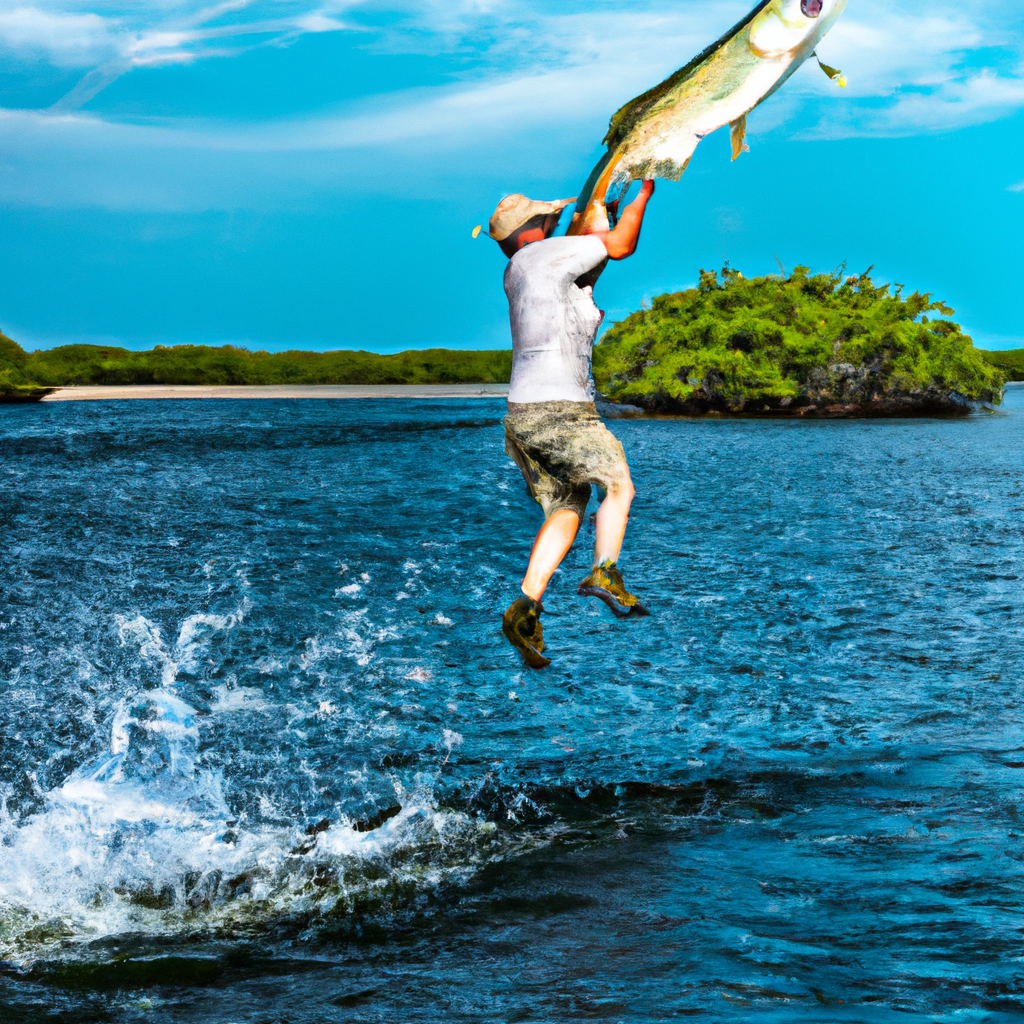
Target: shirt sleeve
{"type": "Point", "coordinates": [559, 261]}
{"type": "Point", "coordinates": [580, 254]}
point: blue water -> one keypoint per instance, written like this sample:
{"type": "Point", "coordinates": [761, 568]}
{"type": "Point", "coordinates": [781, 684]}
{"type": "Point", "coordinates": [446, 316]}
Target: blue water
{"type": "Point", "coordinates": [266, 756]}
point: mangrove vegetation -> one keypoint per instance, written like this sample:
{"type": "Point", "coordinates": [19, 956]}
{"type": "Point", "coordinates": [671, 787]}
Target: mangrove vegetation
{"type": "Point", "coordinates": [798, 343]}
{"type": "Point", "coordinates": [228, 364]}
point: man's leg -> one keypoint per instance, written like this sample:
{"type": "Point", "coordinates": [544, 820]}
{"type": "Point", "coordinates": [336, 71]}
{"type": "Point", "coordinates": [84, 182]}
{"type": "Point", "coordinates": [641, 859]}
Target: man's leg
{"type": "Point", "coordinates": [532, 436]}
{"type": "Point", "coordinates": [551, 546]}
{"type": "Point", "coordinates": [521, 621]}
{"type": "Point", "coordinates": [605, 581]}
{"type": "Point", "coordinates": [610, 523]}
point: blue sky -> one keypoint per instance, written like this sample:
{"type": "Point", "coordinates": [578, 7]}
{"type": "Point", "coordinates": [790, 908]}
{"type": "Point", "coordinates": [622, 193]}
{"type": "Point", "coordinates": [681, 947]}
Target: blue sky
{"type": "Point", "coordinates": [284, 173]}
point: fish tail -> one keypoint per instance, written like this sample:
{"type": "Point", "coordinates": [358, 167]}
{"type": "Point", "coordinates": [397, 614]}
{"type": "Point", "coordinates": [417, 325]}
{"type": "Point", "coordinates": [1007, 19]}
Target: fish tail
{"type": "Point", "coordinates": [590, 208]}
{"type": "Point", "coordinates": [588, 189]}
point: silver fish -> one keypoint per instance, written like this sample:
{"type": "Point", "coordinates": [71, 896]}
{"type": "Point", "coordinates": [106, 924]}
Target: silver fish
{"type": "Point", "coordinates": [654, 135]}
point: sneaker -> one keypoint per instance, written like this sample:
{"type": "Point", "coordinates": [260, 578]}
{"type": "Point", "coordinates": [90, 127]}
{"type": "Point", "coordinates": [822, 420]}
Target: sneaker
{"type": "Point", "coordinates": [605, 582]}
{"type": "Point", "coordinates": [522, 628]}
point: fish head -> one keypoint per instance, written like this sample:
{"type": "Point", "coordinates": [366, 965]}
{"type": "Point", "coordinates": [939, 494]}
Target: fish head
{"type": "Point", "coordinates": [791, 28]}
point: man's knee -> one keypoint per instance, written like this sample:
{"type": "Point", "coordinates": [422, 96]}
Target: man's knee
{"type": "Point", "coordinates": [567, 515]}
{"type": "Point", "coordinates": [622, 489]}
{"type": "Point", "coordinates": [573, 500]}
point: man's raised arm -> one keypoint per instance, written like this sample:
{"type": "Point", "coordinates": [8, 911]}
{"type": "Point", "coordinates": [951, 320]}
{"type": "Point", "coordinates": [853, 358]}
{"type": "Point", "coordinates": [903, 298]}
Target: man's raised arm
{"type": "Point", "coordinates": [621, 242]}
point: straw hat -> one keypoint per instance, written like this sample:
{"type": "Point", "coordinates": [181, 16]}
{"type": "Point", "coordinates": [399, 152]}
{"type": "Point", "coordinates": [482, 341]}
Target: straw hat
{"type": "Point", "coordinates": [515, 210]}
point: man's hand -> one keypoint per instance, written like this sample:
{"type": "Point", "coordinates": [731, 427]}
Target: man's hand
{"type": "Point", "coordinates": [621, 242]}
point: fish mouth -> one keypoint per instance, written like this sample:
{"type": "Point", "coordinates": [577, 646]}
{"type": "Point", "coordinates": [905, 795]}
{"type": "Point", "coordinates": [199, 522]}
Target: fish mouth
{"type": "Point", "coordinates": [810, 8]}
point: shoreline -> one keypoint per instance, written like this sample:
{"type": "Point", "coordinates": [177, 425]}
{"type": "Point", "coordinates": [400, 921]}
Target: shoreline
{"type": "Point", "coordinates": [108, 392]}
{"type": "Point", "coordinates": [150, 392]}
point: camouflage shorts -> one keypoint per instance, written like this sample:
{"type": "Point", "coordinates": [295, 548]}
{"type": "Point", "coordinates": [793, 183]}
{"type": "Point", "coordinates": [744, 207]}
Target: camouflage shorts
{"type": "Point", "coordinates": [562, 448]}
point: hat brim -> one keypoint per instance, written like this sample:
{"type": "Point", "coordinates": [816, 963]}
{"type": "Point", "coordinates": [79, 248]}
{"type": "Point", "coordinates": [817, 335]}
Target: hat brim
{"type": "Point", "coordinates": [522, 214]}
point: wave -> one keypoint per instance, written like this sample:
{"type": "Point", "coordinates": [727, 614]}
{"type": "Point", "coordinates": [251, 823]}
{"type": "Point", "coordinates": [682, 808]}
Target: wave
{"type": "Point", "coordinates": [142, 839]}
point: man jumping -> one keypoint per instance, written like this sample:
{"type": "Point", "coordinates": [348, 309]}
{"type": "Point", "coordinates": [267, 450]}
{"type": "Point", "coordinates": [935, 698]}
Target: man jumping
{"type": "Point", "coordinates": [552, 429]}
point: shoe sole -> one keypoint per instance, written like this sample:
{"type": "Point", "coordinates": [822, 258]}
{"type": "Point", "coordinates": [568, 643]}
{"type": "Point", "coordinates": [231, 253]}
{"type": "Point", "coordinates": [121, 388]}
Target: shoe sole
{"type": "Point", "coordinates": [636, 610]}
{"type": "Point", "coordinates": [530, 654]}
{"type": "Point", "coordinates": [534, 659]}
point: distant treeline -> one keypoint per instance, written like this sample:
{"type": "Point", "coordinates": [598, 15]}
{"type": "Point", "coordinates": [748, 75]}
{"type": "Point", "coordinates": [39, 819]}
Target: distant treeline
{"type": "Point", "coordinates": [227, 364]}
{"type": "Point", "coordinates": [1010, 362]}
{"type": "Point", "coordinates": [25, 372]}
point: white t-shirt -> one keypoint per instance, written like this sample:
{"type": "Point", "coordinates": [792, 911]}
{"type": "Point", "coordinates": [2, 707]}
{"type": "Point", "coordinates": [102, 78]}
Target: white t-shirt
{"type": "Point", "coordinates": [554, 322]}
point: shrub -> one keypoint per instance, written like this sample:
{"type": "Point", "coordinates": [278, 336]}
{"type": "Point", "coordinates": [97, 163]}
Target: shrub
{"type": "Point", "coordinates": [774, 339]}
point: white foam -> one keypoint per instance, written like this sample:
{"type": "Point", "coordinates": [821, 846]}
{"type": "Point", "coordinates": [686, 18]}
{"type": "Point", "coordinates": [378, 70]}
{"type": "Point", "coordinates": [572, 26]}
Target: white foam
{"type": "Point", "coordinates": [183, 656]}
{"type": "Point", "coordinates": [142, 837]}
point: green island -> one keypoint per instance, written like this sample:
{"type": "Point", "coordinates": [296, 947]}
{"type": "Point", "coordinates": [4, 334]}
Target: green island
{"type": "Point", "coordinates": [789, 344]}
{"type": "Point", "coordinates": [797, 344]}
{"type": "Point", "coordinates": [47, 369]}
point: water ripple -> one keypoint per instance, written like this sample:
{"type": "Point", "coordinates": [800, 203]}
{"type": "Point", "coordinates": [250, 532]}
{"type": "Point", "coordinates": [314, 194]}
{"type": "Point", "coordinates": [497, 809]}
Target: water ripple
{"type": "Point", "coordinates": [256, 702]}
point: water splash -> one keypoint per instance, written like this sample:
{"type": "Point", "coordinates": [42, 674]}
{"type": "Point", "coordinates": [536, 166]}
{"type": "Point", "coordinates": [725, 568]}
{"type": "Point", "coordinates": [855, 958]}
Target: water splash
{"type": "Point", "coordinates": [142, 839]}
{"type": "Point", "coordinates": [193, 635]}
{"type": "Point", "coordinates": [149, 773]}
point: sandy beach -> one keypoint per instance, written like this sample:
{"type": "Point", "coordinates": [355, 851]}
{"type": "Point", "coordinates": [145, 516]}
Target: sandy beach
{"type": "Point", "coordinates": [151, 391]}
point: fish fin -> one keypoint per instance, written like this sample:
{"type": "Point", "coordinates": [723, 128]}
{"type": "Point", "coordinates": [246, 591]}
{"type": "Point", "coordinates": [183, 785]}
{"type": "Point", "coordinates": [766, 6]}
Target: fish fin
{"type": "Point", "coordinates": [476, 230]}
{"type": "Point", "coordinates": [738, 134]}
{"type": "Point", "coordinates": [834, 73]}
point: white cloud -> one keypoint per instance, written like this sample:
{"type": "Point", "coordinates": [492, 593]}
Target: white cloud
{"type": "Point", "coordinates": [925, 68]}
{"type": "Point", "coordinates": [543, 66]}
{"type": "Point", "coordinates": [76, 159]}
{"type": "Point", "coordinates": [317, 21]}
{"type": "Point", "coordinates": [975, 99]}
{"type": "Point", "coordinates": [1019, 187]}
{"type": "Point", "coordinates": [64, 38]}
{"type": "Point", "coordinates": [175, 31]}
